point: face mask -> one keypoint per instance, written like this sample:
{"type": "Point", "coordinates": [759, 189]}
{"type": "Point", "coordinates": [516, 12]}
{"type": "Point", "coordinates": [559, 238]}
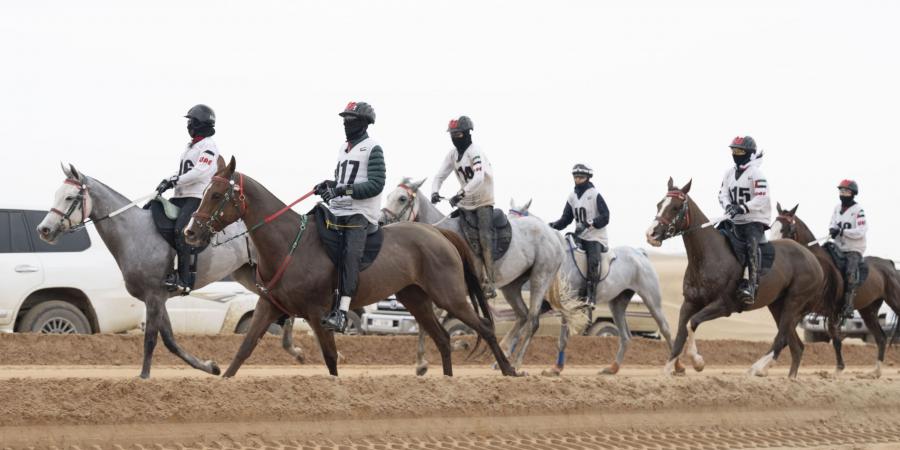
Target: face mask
{"type": "Point", "coordinates": [354, 129]}
{"type": "Point", "coordinates": [740, 160]}
{"type": "Point", "coordinates": [462, 143]}
{"type": "Point", "coordinates": [847, 202]}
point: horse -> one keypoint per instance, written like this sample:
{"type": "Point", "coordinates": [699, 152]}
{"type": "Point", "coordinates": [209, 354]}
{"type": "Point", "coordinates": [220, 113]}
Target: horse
{"type": "Point", "coordinates": [144, 257]}
{"type": "Point", "coordinates": [631, 272]}
{"type": "Point", "coordinates": [534, 256]}
{"type": "Point", "coordinates": [422, 264]}
{"type": "Point", "coordinates": [789, 289]}
{"type": "Point", "coordinates": [882, 285]}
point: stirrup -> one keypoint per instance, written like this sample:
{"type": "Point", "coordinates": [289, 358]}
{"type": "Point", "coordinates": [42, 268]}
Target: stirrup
{"type": "Point", "coordinates": [335, 321]}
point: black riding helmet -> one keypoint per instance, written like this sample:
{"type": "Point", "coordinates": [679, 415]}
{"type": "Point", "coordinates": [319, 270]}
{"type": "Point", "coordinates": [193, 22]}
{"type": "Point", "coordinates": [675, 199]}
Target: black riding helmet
{"type": "Point", "coordinates": [361, 110]}
{"type": "Point", "coordinates": [201, 121]}
{"type": "Point", "coordinates": [583, 170]}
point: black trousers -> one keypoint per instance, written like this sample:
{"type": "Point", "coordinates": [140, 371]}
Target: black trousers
{"type": "Point", "coordinates": [594, 251]}
{"type": "Point", "coordinates": [188, 207]}
{"type": "Point", "coordinates": [851, 272]}
{"type": "Point", "coordinates": [353, 243]}
{"type": "Point", "coordinates": [751, 233]}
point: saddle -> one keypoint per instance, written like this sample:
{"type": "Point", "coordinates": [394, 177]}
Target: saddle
{"type": "Point", "coordinates": [840, 260]}
{"type": "Point", "coordinates": [165, 213]}
{"type": "Point", "coordinates": [331, 237]}
{"type": "Point", "coordinates": [579, 256]}
{"type": "Point", "coordinates": [501, 232]}
{"type": "Point", "coordinates": [738, 245]}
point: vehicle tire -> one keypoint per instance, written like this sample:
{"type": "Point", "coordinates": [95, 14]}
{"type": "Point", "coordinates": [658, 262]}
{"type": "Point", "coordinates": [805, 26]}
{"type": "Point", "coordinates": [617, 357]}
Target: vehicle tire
{"type": "Point", "coordinates": [54, 317]}
{"type": "Point", "coordinates": [603, 328]}
{"type": "Point", "coordinates": [353, 324]}
{"type": "Point", "coordinates": [244, 326]}
{"type": "Point", "coordinates": [814, 336]}
{"type": "Point", "coordinates": [455, 328]}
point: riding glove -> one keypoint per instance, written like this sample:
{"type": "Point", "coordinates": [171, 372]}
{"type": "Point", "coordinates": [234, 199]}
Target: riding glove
{"type": "Point", "coordinates": [456, 198]}
{"type": "Point", "coordinates": [734, 209]}
{"type": "Point", "coordinates": [435, 198]}
{"type": "Point", "coordinates": [834, 232]}
{"type": "Point", "coordinates": [166, 184]}
{"type": "Point", "coordinates": [331, 192]}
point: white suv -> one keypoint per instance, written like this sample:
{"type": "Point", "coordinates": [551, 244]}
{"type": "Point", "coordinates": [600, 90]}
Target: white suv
{"type": "Point", "coordinates": [74, 286]}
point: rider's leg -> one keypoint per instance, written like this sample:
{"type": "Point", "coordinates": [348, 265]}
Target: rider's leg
{"type": "Point", "coordinates": [594, 252]}
{"type": "Point", "coordinates": [852, 277]}
{"type": "Point", "coordinates": [485, 238]}
{"type": "Point", "coordinates": [183, 278]}
{"type": "Point", "coordinates": [752, 234]}
{"type": "Point", "coordinates": [354, 241]}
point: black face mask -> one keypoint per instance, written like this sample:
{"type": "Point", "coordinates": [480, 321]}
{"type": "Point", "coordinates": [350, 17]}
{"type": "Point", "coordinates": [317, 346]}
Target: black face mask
{"type": "Point", "coordinates": [462, 143]}
{"type": "Point", "coordinates": [354, 129]}
{"type": "Point", "coordinates": [847, 202]}
{"type": "Point", "coordinates": [196, 129]}
{"type": "Point", "coordinates": [740, 160]}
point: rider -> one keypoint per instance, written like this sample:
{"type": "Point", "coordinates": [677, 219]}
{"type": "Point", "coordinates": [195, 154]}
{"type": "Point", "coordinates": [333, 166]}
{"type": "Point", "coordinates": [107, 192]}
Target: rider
{"type": "Point", "coordinates": [745, 197]}
{"type": "Point", "coordinates": [588, 209]}
{"type": "Point", "coordinates": [196, 169]}
{"type": "Point", "coordinates": [354, 196]}
{"type": "Point", "coordinates": [475, 199]}
{"type": "Point", "coordinates": [848, 229]}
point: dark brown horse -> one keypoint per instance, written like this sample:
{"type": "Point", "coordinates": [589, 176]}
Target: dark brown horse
{"type": "Point", "coordinates": [789, 289]}
{"type": "Point", "coordinates": [418, 262]}
{"type": "Point", "coordinates": [882, 285]}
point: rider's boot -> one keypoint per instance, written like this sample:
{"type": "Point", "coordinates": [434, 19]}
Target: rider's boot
{"type": "Point", "coordinates": [485, 238]}
{"type": "Point", "coordinates": [336, 320]}
{"type": "Point", "coordinates": [749, 286]}
{"type": "Point", "coordinates": [182, 279]}
{"type": "Point", "coordinates": [847, 310]}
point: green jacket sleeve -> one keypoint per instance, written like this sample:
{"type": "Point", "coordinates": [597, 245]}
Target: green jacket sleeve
{"type": "Point", "coordinates": [376, 177]}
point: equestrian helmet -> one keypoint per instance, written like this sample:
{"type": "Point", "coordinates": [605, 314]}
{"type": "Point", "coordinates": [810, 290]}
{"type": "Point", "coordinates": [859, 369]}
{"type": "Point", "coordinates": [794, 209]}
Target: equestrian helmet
{"type": "Point", "coordinates": [582, 170]}
{"type": "Point", "coordinates": [744, 143]}
{"type": "Point", "coordinates": [202, 115]}
{"type": "Point", "coordinates": [463, 124]}
{"type": "Point", "coordinates": [362, 110]}
{"type": "Point", "coordinates": [850, 185]}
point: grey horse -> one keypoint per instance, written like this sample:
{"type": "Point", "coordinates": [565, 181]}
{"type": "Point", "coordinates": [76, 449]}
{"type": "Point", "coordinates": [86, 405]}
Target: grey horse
{"type": "Point", "coordinates": [534, 256]}
{"type": "Point", "coordinates": [144, 257]}
{"type": "Point", "coordinates": [631, 272]}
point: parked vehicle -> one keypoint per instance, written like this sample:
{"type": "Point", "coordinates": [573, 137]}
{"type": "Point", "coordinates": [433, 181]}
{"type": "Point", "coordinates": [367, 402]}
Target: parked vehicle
{"type": "Point", "coordinates": [74, 286]}
{"type": "Point", "coordinates": [814, 330]}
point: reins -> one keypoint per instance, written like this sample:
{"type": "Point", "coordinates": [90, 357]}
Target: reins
{"type": "Point", "coordinates": [410, 206]}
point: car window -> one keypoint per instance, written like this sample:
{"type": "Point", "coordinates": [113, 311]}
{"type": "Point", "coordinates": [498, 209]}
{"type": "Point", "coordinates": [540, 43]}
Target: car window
{"type": "Point", "coordinates": [5, 241]}
{"type": "Point", "coordinates": [78, 241]}
{"type": "Point", "coordinates": [18, 233]}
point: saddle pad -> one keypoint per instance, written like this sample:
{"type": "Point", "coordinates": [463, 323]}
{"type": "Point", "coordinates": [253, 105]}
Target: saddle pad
{"type": "Point", "coordinates": [331, 239]}
{"type": "Point", "coordinates": [579, 256]}
{"type": "Point", "coordinates": [164, 225]}
{"type": "Point", "coordinates": [501, 232]}
{"type": "Point", "coordinates": [738, 245]}
{"type": "Point", "coordinates": [840, 260]}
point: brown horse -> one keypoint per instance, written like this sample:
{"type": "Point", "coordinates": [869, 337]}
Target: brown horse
{"type": "Point", "coordinates": [881, 285]}
{"type": "Point", "coordinates": [790, 288]}
{"type": "Point", "coordinates": [418, 262]}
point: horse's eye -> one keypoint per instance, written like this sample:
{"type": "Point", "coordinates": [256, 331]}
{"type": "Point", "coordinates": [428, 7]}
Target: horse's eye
{"type": "Point", "coordinates": [70, 198]}
{"type": "Point", "coordinates": [402, 199]}
{"type": "Point", "coordinates": [216, 196]}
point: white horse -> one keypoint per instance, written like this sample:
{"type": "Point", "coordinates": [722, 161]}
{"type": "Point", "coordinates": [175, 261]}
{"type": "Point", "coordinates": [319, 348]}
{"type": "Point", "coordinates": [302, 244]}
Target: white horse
{"type": "Point", "coordinates": [534, 256]}
{"type": "Point", "coordinates": [629, 273]}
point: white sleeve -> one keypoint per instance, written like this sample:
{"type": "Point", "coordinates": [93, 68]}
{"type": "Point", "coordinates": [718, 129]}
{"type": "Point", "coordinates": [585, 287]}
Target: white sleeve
{"type": "Point", "coordinates": [444, 172]}
{"type": "Point", "coordinates": [478, 168]}
{"type": "Point", "coordinates": [204, 163]}
{"type": "Point", "coordinates": [724, 196]}
{"type": "Point", "coordinates": [861, 227]}
{"type": "Point", "coordinates": [835, 219]}
{"type": "Point", "coordinates": [759, 193]}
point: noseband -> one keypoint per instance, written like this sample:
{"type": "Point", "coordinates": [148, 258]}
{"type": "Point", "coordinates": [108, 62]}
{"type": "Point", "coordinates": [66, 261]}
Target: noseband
{"type": "Point", "coordinates": [681, 224]}
{"type": "Point", "coordinates": [233, 196]}
{"type": "Point", "coordinates": [407, 209]}
{"type": "Point", "coordinates": [79, 201]}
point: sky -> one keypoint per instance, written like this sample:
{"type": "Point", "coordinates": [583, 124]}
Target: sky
{"type": "Point", "coordinates": [639, 90]}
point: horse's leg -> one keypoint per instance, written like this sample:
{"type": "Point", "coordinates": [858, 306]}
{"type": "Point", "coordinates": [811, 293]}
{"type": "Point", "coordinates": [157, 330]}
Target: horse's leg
{"type": "Point", "coordinates": [869, 315]}
{"type": "Point", "coordinates": [263, 316]}
{"type": "Point", "coordinates": [421, 362]}
{"type": "Point", "coordinates": [165, 330]}
{"type": "Point", "coordinates": [513, 294]}
{"type": "Point", "coordinates": [783, 320]}
{"type": "Point", "coordinates": [650, 293]}
{"type": "Point", "coordinates": [153, 307]}
{"type": "Point", "coordinates": [688, 309]}
{"type": "Point", "coordinates": [837, 342]}
{"type": "Point", "coordinates": [287, 341]}
{"type": "Point", "coordinates": [416, 302]}
{"type": "Point", "coordinates": [718, 308]}
{"type": "Point", "coordinates": [617, 307]}
{"type": "Point", "coordinates": [458, 307]}
{"type": "Point", "coordinates": [539, 286]}
{"type": "Point", "coordinates": [326, 340]}
{"type": "Point", "coordinates": [556, 369]}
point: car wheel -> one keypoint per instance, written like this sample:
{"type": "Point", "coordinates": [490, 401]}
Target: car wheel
{"type": "Point", "coordinates": [603, 329]}
{"type": "Point", "coordinates": [455, 328]}
{"type": "Point", "coordinates": [244, 326]}
{"type": "Point", "coordinates": [55, 317]}
{"type": "Point", "coordinates": [814, 336]}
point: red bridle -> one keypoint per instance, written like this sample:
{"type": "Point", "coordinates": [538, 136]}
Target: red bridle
{"type": "Point", "coordinates": [82, 199]}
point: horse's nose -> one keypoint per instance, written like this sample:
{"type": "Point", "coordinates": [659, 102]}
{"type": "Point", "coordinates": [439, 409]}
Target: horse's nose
{"type": "Point", "coordinates": [45, 230]}
{"type": "Point", "coordinates": [189, 232]}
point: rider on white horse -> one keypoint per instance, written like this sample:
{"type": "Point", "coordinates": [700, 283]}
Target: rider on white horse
{"type": "Point", "coordinates": [195, 170]}
{"type": "Point", "coordinates": [745, 196]}
{"type": "Point", "coordinates": [354, 196]}
{"type": "Point", "coordinates": [848, 229]}
{"type": "Point", "coordinates": [475, 198]}
{"type": "Point", "coordinates": [589, 211]}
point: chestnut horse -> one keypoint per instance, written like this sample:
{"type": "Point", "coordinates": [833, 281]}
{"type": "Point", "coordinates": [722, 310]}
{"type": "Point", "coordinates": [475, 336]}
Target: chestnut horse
{"type": "Point", "coordinates": [882, 285]}
{"type": "Point", "coordinates": [789, 289]}
{"type": "Point", "coordinates": [419, 263]}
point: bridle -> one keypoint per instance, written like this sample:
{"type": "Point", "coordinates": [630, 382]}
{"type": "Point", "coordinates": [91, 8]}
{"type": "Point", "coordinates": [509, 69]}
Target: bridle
{"type": "Point", "coordinates": [234, 196]}
{"type": "Point", "coordinates": [78, 202]}
{"type": "Point", "coordinates": [791, 222]}
{"type": "Point", "coordinates": [681, 224]}
{"type": "Point", "coordinates": [408, 209]}
{"type": "Point", "coordinates": [517, 213]}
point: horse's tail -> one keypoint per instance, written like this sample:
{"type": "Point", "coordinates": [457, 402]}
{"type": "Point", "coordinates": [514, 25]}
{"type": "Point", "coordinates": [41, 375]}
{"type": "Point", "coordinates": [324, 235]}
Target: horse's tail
{"type": "Point", "coordinates": [562, 298]}
{"type": "Point", "coordinates": [473, 281]}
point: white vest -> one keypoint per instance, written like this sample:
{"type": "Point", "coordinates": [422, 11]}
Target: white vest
{"type": "Point", "coordinates": [197, 166]}
{"type": "Point", "coordinates": [751, 190]}
{"type": "Point", "coordinates": [352, 168]}
{"type": "Point", "coordinates": [585, 209]}
{"type": "Point", "coordinates": [475, 175]}
{"type": "Point", "coordinates": [853, 223]}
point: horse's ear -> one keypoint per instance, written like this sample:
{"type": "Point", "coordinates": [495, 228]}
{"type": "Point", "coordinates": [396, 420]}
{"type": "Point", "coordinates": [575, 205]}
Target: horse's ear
{"type": "Point", "coordinates": [220, 164]}
{"type": "Point", "coordinates": [231, 166]}
{"type": "Point", "coordinates": [65, 170]}
{"type": "Point", "coordinates": [778, 207]}
{"type": "Point", "coordinates": [73, 173]}
{"type": "Point", "coordinates": [418, 184]}
{"type": "Point", "coordinates": [671, 184]}
{"type": "Point", "coordinates": [527, 205]}
{"type": "Point", "coordinates": [687, 187]}
{"type": "Point", "coordinates": [794, 209]}
{"type": "Point", "coordinates": [512, 203]}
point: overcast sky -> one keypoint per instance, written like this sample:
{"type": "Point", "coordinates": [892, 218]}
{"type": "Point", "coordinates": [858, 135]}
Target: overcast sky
{"type": "Point", "coordinates": [638, 90]}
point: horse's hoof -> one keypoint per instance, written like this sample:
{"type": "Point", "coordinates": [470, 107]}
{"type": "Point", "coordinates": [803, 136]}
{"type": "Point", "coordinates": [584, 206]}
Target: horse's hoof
{"type": "Point", "coordinates": [679, 368]}
{"type": "Point", "coordinates": [214, 368]}
{"type": "Point", "coordinates": [699, 364]}
{"type": "Point", "coordinates": [521, 373]}
{"type": "Point", "coordinates": [299, 356]}
{"type": "Point", "coordinates": [144, 376]}
{"type": "Point", "coordinates": [422, 370]}
{"type": "Point", "coordinates": [553, 371]}
{"type": "Point", "coordinates": [611, 370]}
